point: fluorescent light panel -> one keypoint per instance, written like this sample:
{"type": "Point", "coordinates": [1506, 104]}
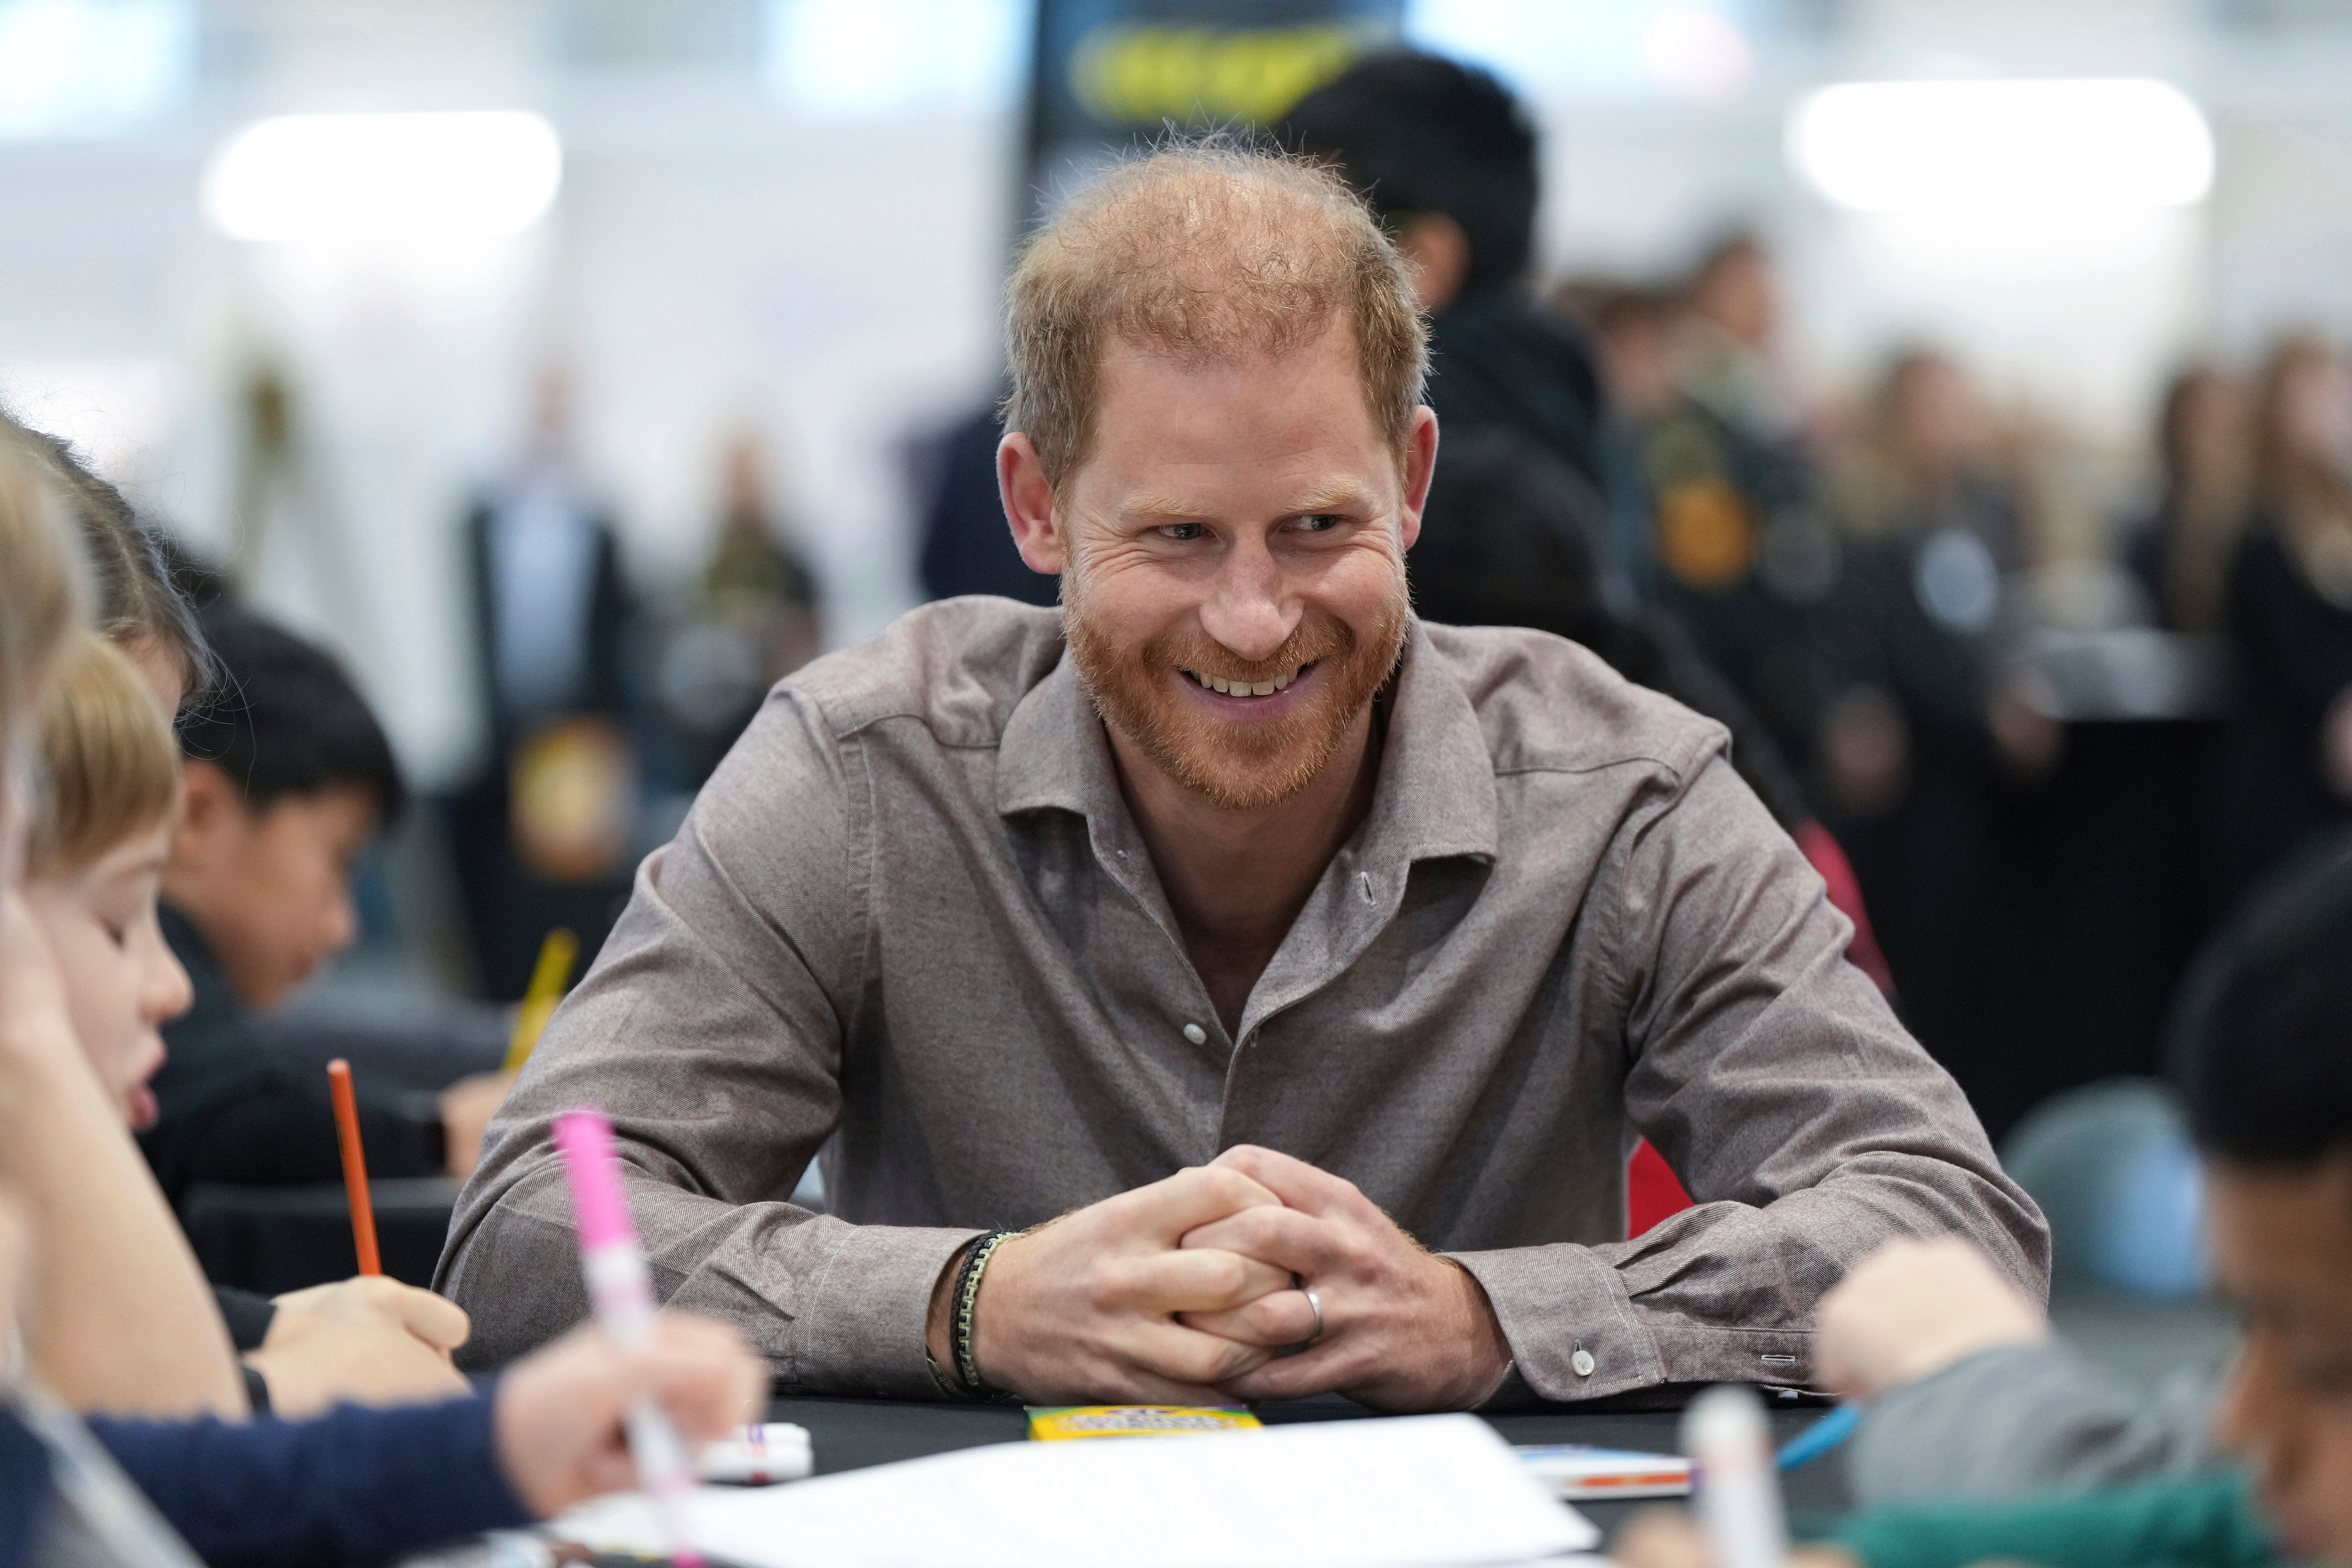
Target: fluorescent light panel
{"type": "Point", "coordinates": [1913, 146]}
{"type": "Point", "coordinates": [340, 177]}
{"type": "Point", "coordinates": [91, 67]}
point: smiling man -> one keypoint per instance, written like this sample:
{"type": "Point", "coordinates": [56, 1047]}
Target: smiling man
{"type": "Point", "coordinates": [1316, 967]}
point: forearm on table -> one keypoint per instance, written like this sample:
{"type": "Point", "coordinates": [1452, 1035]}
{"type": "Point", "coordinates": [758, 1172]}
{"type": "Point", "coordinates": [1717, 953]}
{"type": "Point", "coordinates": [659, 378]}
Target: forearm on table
{"type": "Point", "coordinates": [1721, 1292]}
{"type": "Point", "coordinates": [122, 1319]}
{"type": "Point", "coordinates": [835, 1308]}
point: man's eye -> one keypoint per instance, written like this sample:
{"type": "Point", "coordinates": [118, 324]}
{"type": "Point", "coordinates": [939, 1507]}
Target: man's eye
{"type": "Point", "coordinates": [1320, 521]}
{"type": "Point", "coordinates": [1183, 531]}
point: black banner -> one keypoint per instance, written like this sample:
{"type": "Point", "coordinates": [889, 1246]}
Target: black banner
{"type": "Point", "coordinates": [1110, 75]}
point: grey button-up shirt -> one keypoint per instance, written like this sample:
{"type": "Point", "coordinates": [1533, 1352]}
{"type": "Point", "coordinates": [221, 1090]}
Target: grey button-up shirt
{"type": "Point", "coordinates": [912, 915]}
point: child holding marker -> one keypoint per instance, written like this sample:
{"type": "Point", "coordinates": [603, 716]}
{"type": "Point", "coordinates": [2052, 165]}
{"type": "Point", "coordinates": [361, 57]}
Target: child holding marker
{"type": "Point", "coordinates": [110, 797]}
{"type": "Point", "coordinates": [115, 1286]}
{"type": "Point", "coordinates": [371, 1338]}
{"type": "Point", "coordinates": [2265, 1066]}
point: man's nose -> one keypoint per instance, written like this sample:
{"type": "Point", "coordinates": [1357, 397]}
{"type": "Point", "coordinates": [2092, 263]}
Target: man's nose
{"type": "Point", "coordinates": [1252, 610]}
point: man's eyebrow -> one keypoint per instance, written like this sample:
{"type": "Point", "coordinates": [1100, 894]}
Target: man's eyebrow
{"type": "Point", "coordinates": [1332, 495]}
{"type": "Point", "coordinates": [1151, 503]}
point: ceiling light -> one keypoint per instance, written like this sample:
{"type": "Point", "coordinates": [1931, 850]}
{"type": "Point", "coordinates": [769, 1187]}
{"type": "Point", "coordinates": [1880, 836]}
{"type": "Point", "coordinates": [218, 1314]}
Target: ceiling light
{"type": "Point", "coordinates": [385, 176]}
{"type": "Point", "coordinates": [1910, 146]}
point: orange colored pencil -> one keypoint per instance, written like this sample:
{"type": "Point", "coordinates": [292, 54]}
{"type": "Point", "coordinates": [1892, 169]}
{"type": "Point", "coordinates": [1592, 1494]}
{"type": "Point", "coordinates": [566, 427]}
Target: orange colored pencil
{"type": "Point", "coordinates": [355, 1181]}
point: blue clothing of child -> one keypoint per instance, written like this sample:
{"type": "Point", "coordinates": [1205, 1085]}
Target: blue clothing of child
{"type": "Point", "coordinates": [355, 1485]}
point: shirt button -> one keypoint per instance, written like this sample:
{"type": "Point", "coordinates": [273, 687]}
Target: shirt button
{"type": "Point", "coordinates": [1197, 1035]}
{"type": "Point", "coordinates": [1583, 1362]}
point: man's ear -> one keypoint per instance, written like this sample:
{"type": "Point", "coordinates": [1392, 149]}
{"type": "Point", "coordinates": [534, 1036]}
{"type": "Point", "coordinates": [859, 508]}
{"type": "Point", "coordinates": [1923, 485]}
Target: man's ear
{"type": "Point", "coordinates": [1028, 504]}
{"type": "Point", "coordinates": [1420, 463]}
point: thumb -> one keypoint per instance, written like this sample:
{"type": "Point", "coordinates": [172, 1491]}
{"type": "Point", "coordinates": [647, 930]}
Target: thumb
{"type": "Point", "coordinates": [437, 1321]}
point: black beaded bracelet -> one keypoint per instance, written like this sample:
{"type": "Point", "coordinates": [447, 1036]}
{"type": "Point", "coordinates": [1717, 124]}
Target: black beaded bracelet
{"type": "Point", "coordinates": [959, 1320]}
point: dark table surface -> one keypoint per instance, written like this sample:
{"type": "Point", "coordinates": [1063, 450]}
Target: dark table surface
{"type": "Point", "coordinates": [850, 1434]}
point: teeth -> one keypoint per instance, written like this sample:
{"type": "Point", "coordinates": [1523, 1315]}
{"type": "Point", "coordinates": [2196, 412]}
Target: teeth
{"type": "Point", "coordinates": [1244, 687]}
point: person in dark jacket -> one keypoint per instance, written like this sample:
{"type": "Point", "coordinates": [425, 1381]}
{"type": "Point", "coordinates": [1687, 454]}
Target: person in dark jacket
{"type": "Point", "coordinates": [2286, 768]}
{"type": "Point", "coordinates": [288, 777]}
{"type": "Point", "coordinates": [1517, 526]}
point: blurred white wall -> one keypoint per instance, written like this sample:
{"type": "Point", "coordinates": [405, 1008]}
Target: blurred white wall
{"type": "Point", "coordinates": [823, 268]}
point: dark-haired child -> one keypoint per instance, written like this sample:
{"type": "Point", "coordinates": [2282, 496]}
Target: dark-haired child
{"type": "Point", "coordinates": [287, 776]}
{"type": "Point", "coordinates": [2264, 1063]}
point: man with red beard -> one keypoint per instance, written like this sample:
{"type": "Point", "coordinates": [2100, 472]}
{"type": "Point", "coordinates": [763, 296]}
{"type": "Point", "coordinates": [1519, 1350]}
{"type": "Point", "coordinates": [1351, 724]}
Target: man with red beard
{"type": "Point", "coordinates": [1316, 967]}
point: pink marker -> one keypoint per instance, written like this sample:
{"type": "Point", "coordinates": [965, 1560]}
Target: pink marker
{"type": "Point", "coordinates": [621, 1291]}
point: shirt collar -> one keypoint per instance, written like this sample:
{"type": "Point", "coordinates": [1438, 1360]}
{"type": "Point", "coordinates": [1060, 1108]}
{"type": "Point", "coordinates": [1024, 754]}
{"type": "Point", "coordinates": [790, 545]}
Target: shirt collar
{"type": "Point", "coordinates": [1435, 796]}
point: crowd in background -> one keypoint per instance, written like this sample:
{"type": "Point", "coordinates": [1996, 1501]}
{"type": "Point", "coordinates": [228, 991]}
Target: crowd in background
{"type": "Point", "coordinates": [1891, 590]}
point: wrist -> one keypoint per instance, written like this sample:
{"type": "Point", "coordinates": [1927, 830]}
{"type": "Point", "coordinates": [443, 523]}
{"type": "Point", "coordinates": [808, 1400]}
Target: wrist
{"type": "Point", "coordinates": [963, 1313]}
{"type": "Point", "coordinates": [1485, 1355]}
{"type": "Point", "coordinates": [937, 1342]}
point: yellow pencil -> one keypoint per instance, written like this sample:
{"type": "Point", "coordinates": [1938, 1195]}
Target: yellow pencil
{"type": "Point", "coordinates": [547, 980]}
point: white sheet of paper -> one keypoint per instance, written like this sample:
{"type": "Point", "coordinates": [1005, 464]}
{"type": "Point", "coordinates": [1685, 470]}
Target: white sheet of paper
{"type": "Point", "coordinates": [1422, 1490]}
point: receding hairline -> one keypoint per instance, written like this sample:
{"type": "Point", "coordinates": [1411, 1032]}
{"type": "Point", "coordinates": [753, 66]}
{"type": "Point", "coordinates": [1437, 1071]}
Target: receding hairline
{"type": "Point", "coordinates": [1206, 254]}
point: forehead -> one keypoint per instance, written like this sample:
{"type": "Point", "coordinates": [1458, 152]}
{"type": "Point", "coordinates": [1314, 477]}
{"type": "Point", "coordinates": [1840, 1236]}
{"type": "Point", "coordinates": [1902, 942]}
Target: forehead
{"type": "Point", "coordinates": [2282, 1239]}
{"type": "Point", "coordinates": [1174, 425]}
{"type": "Point", "coordinates": [340, 815]}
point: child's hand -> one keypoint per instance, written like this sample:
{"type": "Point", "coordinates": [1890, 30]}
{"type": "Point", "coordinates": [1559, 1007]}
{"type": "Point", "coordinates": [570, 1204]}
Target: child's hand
{"type": "Point", "coordinates": [1913, 1308]}
{"type": "Point", "coordinates": [37, 1038]}
{"type": "Point", "coordinates": [370, 1341]}
{"type": "Point", "coordinates": [560, 1409]}
{"type": "Point", "coordinates": [467, 1107]}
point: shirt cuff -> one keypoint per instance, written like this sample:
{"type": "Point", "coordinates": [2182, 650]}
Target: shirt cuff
{"type": "Point", "coordinates": [1576, 1334]}
{"type": "Point", "coordinates": [1572, 1331]}
{"type": "Point", "coordinates": [859, 1326]}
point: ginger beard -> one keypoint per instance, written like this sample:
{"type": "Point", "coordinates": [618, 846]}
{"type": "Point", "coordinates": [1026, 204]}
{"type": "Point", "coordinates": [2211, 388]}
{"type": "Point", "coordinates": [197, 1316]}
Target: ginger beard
{"type": "Point", "coordinates": [1245, 765]}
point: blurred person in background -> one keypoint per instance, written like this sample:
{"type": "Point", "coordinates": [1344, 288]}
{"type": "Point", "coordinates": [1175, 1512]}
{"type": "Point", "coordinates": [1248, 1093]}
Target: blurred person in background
{"type": "Point", "coordinates": [966, 549]}
{"type": "Point", "coordinates": [287, 776]}
{"type": "Point", "coordinates": [2179, 550]}
{"type": "Point", "coordinates": [1927, 743]}
{"type": "Point", "coordinates": [1519, 521]}
{"type": "Point", "coordinates": [2286, 772]}
{"type": "Point", "coordinates": [1633, 329]}
{"type": "Point", "coordinates": [755, 617]}
{"type": "Point", "coordinates": [1711, 480]}
{"type": "Point", "coordinates": [542, 835]}
{"type": "Point", "coordinates": [1447, 159]}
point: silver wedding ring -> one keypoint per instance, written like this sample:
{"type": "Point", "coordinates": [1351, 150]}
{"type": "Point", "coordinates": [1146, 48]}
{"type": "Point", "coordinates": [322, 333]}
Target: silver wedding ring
{"type": "Point", "coordinates": [1316, 1302]}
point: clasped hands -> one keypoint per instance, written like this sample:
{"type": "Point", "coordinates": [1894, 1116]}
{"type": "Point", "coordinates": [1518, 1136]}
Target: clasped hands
{"type": "Point", "coordinates": [1187, 1290]}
